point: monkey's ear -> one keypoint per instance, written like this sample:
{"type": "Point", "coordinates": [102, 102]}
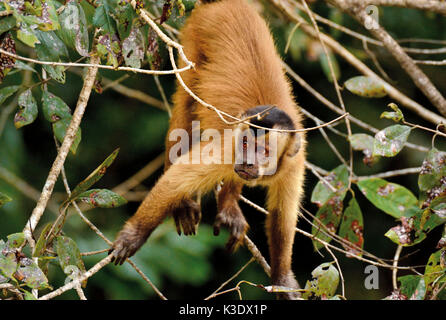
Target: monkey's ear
{"type": "Point", "coordinates": [294, 145]}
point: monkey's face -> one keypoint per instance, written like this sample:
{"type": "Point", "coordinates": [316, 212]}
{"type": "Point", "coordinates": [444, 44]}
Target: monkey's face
{"type": "Point", "coordinates": [258, 152]}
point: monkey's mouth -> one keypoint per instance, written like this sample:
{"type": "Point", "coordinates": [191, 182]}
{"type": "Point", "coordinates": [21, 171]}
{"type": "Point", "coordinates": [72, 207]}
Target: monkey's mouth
{"type": "Point", "coordinates": [245, 174]}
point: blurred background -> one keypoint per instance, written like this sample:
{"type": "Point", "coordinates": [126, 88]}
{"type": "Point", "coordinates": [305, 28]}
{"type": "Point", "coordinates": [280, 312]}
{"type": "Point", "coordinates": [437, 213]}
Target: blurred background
{"type": "Point", "coordinates": [193, 267]}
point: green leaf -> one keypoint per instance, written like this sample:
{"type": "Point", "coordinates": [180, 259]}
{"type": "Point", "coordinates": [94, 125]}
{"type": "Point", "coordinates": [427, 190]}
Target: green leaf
{"type": "Point", "coordinates": [413, 287]}
{"type": "Point", "coordinates": [6, 92]}
{"type": "Point", "coordinates": [28, 109]}
{"type": "Point", "coordinates": [42, 242]}
{"type": "Point", "coordinates": [390, 141]}
{"type": "Point", "coordinates": [54, 108]}
{"type": "Point", "coordinates": [4, 199]}
{"type": "Point", "coordinates": [324, 283]}
{"type": "Point", "coordinates": [27, 35]}
{"type": "Point", "coordinates": [391, 198]}
{"type": "Point", "coordinates": [366, 87]}
{"type": "Point", "coordinates": [338, 178]}
{"type": "Point", "coordinates": [7, 23]}
{"type": "Point", "coordinates": [97, 174]}
{"type": "Point", "coordinates": [102, 198]}
{"type": "Point", "coordinates": [15, 240]}
{"type": "Point", "coordinates": [396, 116]}
{"type": "Point", "coordinates": [60, 128]}
{"type": "Point", "coordinates": [74, 28]}
{"type": "Point", "coordinates": [133, 48]}
{"type": "Point", "coordinates": [103, 17]}
{"type": "Point", "coordinates": [51, 48]}
{"type": "Point", "coordinates": [351, 228]}
{"type": "Point", "coordinates": [329, 216]}
{"type": "Point", "coordinates": [8, 264]}
{"type": "Point", "coordinates": [434, 271]}
{"type": "Point", "coordinates": [364, 142]}
{"type": "Point", "coordinates": [33, 276]}
{"type": "Point", "coordinates": [433, 170]}
{"type": "Point", "coordinates": [69, 255]}
{"type": "Point", "coordinates": [326, 68]}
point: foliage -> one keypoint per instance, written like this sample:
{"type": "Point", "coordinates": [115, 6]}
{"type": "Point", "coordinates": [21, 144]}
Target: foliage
{"type": "Point", "coordinates": [355, 208]}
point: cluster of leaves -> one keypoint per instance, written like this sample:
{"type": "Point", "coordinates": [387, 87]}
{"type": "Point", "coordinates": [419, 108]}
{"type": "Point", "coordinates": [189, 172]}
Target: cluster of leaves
{"type": "Point", "coordinates": [18, 269]}
{"type": "Point", "coordinates": [416, 216]}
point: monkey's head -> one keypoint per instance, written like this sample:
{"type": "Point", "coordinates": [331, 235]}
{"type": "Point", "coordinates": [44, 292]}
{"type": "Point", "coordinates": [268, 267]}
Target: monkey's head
{"type": "Point", "coordinates": [259, 152]}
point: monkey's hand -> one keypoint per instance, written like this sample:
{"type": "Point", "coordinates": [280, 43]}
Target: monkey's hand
{"type": "Point", "coordinates": [187, 216]}
{"type": "Point", "coordinates": [128, 241]}
{"type": "Point", "coordinates": [287, 280]}
{"type": "Point", "coordinates": [231, 216]}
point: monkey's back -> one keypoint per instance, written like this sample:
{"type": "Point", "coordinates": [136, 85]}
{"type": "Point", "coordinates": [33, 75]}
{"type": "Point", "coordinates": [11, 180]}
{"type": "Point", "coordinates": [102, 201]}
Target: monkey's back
{"type": "Point", "coordinates": [237, 66]}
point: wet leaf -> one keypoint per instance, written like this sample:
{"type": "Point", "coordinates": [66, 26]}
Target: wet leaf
{"type": "Point", "coordinates": [28, 109]}
{"type": "Point", "coordinates": [69, 255]}
{"type": "Point", "coordinates": [33, 277]}
{"type": "Point", "coordinates": [351, 228]}
{"type": "Point", "coordinates": [6, 92]}
{"type": "Point", "coordinates": [4, 199]}
{"type": "Point", "coordinates": [338, 178]}
{"type": "Point", "coordinates": [324, 282]}
{"type": "Point", "coordinates": [102, 198]}
{"type": "Point", "coordinates": [60, 128]}
{"type": "Point", "coordinates": [390, 141]}
{"type": "Point", "coordinates": [396, 116]}
{"type": "Point", "coordinates": [74, 32]}
{"type": "Point", "coordinates": [433, 170]}
{"type": "Point", "coordinates": [391, 198]}
{"type": "Point", "coordinates": [329, 216]}
{"type": "Point", "coordinates": [97, 174]}
{"type": "Point", "coordinates": [366, 87]}
{"type": "Point", "coordinates": [54, 108]}
{"type": "Point", "coordinates": [413, 287]}
{"type": "Point", "coordinates": [15, 240]}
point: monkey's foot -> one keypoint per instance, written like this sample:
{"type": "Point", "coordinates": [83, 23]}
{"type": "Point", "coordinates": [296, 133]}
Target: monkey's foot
{"type": "Point", "coordinates": [287, 281]}
{"type": "Point", "coordinates": [128, 241]}
{"type": "Point", "coordinates": [232, 218]}
{"type": "Point", "coordinates": [187, 216]}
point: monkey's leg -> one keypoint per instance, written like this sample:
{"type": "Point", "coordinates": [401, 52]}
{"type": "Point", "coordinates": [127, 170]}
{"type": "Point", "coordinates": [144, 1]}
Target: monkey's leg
{"type": "Point", "coordinates": [179, 182]}
{"type": "Point", "coordinates": [283, 199]}
{"type": "Point", "coordinates": [230, 215]}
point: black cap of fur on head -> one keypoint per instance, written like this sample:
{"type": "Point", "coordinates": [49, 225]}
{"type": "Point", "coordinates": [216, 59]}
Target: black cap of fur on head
{"type": "Point", "coordinates": [268, 119]}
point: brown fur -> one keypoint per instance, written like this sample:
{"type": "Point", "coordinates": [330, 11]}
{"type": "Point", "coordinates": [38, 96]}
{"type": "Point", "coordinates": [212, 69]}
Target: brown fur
{"type": "Point", "coordinates": [237, 68]}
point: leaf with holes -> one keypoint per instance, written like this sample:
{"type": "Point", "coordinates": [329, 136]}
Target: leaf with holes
{"type": "Point", "coordinates": [60, 128]}
{"type": "Point", "coordinates": [396, 115]}
{"type": "Point", "coordinates": [29, 273]}
{"type": "Point", "coordinates": [390, 141]}
{"type": "Point", "coordinates": [324, 282]}
{"type": "Point", "coordinates": [28, 109]}
{"type": "Point", "coordinates": [366, 87]}
{"type": "Point", "coordinates": [102, 198]}
{"type": "Point", "coordinates": [351, 228]}
{"type": "Point", "coordinates": [391, 198]}
{"type": "Point", "coordinates": [8, 264]}
{"type": "Point", "coordinates": [433, 170]}
{"type": "Point", "coordinates": [69, 255]}
{"type": "Point", "coordinates": [15, 240]}
{"type": "Point", "coordinates": [54, 108]}
{"type": "Point", "coordinates": [413, 287]}
{"type": "Point", "coordinates": [97, 174]}
{"type": "Point", "coordinates": [338, 179]}
{"type": "Point", "coordinates": [328, 218]}
{"type": "Point", "coordinates": [133, 48]}
{"type": "Point", "coordinates": [434, 271]}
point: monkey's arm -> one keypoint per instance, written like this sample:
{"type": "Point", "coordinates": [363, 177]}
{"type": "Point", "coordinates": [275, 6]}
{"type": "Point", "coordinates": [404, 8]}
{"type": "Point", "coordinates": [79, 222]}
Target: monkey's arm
{"type": "Point", "coordinates": [179, 182]}
{"type": "Point", "coordinates": [230, 215]}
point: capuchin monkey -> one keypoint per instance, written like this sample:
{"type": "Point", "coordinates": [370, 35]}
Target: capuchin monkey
{"type": "Point", "coordinates": [237, 70]}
